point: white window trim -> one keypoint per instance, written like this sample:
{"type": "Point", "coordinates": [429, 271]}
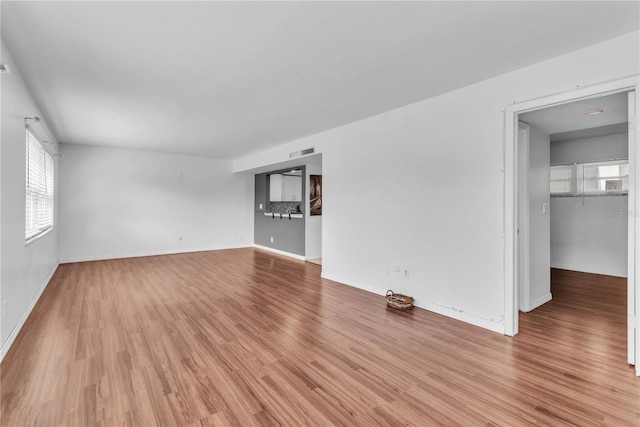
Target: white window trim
{"type": "Point", "coordinates": [571, 180]}
{"type": "Point", "coordinates": [577, 178]}
{"type": "Point", "coordinates": [605, 163]}
{"type": "Point", "coordinates": [31, 139]}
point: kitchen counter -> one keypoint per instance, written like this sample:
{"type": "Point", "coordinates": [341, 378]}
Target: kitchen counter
{"type": "Point", "coordinates": [284, 215]}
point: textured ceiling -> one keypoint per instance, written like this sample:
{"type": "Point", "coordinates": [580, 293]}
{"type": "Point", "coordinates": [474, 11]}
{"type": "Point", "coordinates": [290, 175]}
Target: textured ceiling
{"type": "Point", "coordinates": [226, 79]}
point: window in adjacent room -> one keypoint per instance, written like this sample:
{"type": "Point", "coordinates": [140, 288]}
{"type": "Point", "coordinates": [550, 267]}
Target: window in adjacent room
{"type": "Point", "coordinates": [38, 189]}
{"type": "Point", "coordinates": [562, 179]}
{"type": "Point", "coordinates": [606, 177]}
{"type": "Point", "coordinates": [598, 178]}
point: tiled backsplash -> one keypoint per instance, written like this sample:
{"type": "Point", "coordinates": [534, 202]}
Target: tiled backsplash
{"type": "Point", "coordinates": [285, 207]}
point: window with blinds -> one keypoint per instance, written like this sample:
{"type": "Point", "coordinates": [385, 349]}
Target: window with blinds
{"type": "Point", "coordinates": [598, 178]}
{"type": "Point", "coordinates": [606, 177]}
{"type": "Point", "coordinates": [38, 189]}
{"type": "Point", "coordinates": [562, 179]}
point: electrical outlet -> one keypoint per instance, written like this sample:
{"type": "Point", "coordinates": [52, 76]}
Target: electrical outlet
{"type": "Point", "coordinates": [405, 272]}
{"type": "Point", "coordinates": [272, 240]}
{"type": "Point", "coordinates": [260, 205]}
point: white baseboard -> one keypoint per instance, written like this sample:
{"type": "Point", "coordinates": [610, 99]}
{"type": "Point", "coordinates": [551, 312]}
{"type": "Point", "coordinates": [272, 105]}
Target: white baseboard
{"type": "Point", "coordinates": [461, 315]}
{"type": "Point", "coordinates": [16, 330]}
{"type": "Point", "coordinates": [103, 257]}
{"type": "Point", "coordinates": [279, 252]}
{"type": "Point", "coordinates": [538, 302]}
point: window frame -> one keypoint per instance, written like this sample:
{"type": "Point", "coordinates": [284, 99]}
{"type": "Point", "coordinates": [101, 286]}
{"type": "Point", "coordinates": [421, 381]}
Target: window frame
{"type": "Point", "coordinates": [39, 195]}
{"type": "Point", "coordinates": [578, 179]}
{"type": "Point", "coordinates": [572, 179]}
{"type": "Point", "coordinates": [617, 177]}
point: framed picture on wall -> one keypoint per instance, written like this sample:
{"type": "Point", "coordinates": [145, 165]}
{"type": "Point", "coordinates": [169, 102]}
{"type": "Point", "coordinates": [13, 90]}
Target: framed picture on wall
{"type": "Point", "coordinates": [315, 194]}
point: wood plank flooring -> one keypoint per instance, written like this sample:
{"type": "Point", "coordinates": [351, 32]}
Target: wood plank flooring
{"type": "Point", "coordinates": [248, 338]}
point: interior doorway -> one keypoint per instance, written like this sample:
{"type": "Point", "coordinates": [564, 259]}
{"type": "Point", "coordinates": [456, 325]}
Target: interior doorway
{"type": "Point", "coordinates": [516, 182]}
{"type": "Point", "coordinates": [573, 204]}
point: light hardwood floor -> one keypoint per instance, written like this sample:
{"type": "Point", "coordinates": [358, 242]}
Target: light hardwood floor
{"type": "Point", "coordinates": [246, 337]}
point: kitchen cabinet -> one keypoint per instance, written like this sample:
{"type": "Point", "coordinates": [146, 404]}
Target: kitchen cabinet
{"type": "Point", "coordinates": [292, 188]}
{"type": "Point", "coordinates": [275, 187]}
{"type": "Point", "coordinates": [285, 188]}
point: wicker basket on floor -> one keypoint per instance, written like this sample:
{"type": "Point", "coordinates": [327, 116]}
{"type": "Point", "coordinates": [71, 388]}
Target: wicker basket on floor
{"type": "Point", "coordinates": [399, 301]}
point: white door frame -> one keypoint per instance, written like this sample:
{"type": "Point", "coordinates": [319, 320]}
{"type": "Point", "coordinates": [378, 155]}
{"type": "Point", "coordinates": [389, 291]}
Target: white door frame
{"type": "Point", "coordinates": [633, 286]}
{"type": "Point", "coordinates": [523, 290]}
{"type": "Point", "coordinates": [511, 200]}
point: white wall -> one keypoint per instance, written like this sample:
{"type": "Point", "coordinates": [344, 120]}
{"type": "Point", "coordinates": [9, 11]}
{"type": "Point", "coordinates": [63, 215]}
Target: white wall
{"type": "Point", "coordinates": [423, 186]}
{"type": "Point", "coordinates": [118, 203]}
{"type": "Point", "coordinates": [539, 218]}
{"type": "Point", "coordinates": [26, 270]}
{"type": "Point", "coordinates": [590, 233]}
{"type": "Point", "coordinates": [313, 224]}
{"type": "Point", "coordinates": [585, 150]}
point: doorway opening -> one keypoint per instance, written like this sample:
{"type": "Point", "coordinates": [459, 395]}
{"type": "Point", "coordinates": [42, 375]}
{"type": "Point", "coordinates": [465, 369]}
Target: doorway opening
{"type": "Point", "coordinates": [587, 185]}
{"type": "Point", "coordinates": [573, 200]}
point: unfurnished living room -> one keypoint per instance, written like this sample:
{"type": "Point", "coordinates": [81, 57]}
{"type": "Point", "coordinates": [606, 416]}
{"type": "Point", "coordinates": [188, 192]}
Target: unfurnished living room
{"type": "Point", "coordinates": [204, 206]}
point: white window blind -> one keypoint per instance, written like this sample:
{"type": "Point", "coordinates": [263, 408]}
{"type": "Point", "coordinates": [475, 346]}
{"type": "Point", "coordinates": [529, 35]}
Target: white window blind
{"type": "Point", "coordinates": [562, 179]}
{"type": "Point", "coordinates": [39, 190]}
{"type": "Point", "coordinates": [598, 178]}
{"type": "Point", "coordinates": [604, 177]}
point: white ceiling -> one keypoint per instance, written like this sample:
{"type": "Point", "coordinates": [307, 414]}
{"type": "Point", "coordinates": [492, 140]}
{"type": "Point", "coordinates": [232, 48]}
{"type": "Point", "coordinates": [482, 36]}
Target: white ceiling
{"type": "Point", "coordinates": [226, 79]}
{"type": "Point", "coordinates": [565, 119]}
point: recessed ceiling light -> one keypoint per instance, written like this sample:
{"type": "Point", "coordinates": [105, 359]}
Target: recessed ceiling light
{"type": "Point", "coordinates": [593, 112]}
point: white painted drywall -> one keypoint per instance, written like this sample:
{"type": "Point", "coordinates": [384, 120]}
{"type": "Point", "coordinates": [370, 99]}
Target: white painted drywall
{"type": "Point", "coordinates": [26, 270]}
{"type": "Point", "coordinates": [118, 203]}
{"type": "Point", "coordinates": [423, 187]}
{"type": "Point", "coordinates": [539, 218]}
{"type": "Point", "coordinates": [590, 233]}
{"type": "Point", "coordinates": [313, 224]}
{"type": "Point", "coordinates": [584, 150]}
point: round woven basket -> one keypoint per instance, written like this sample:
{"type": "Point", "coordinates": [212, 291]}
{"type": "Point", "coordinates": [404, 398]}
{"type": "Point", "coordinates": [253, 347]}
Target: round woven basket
{"type": "Point", "coordinates": [399, 301]}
